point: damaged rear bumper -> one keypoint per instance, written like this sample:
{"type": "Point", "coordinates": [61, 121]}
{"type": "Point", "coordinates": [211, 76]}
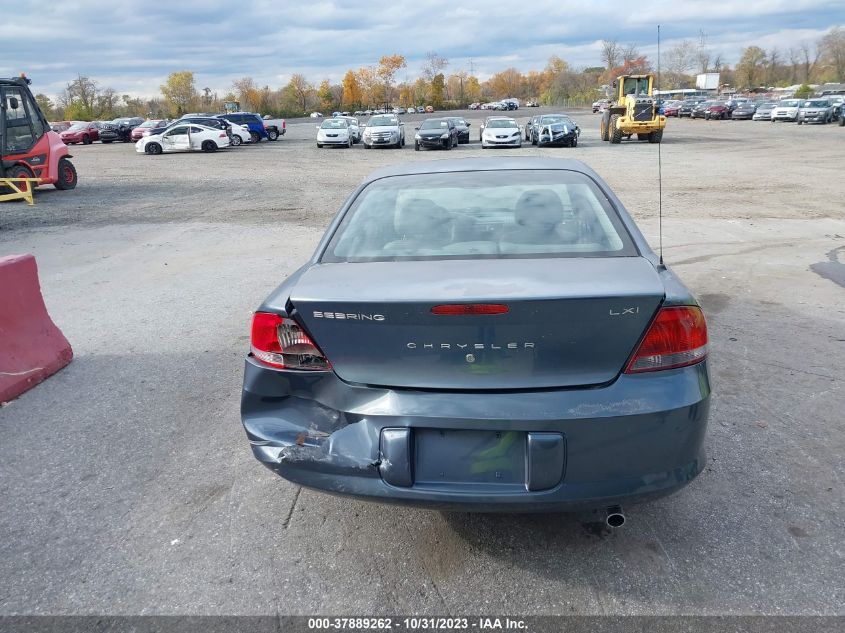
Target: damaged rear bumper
{"type": "Point", "coordinates": [636, 439]}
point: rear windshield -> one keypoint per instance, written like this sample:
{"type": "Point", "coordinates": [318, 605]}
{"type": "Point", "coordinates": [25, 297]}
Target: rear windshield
{"type": "Point", "coordinates": [383, 121]}
{"type": "Point", "coordinates": [433, 124]}
{"type": "Point", "coordinates": [477, 215]}
{"type": "Point", "coordinates": [501, 123]}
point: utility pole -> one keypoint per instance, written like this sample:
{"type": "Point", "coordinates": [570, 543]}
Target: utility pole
{"type": "Point", "coordinates": [471, 68]}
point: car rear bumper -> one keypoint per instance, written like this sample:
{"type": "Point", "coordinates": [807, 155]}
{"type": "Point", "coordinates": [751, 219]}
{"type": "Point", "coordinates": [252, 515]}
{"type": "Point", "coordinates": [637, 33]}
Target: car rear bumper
{"type": "Point", "coordinates": [636, 439]}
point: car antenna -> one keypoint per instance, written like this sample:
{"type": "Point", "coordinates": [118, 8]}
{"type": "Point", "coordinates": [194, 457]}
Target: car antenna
{"type": "Point", "coordinates": [659, 167]}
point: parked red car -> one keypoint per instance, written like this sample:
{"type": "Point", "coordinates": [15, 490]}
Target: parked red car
{"type": "Point", "coordinates": [672, 109]}
{"type": "Point", "coordinates": [81, 132]}
{"type": "Point", "coordinates": [146, 126]}
{"type": "Point", "coordinates": [717, 111]}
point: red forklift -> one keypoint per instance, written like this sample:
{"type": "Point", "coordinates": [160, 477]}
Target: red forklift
{"type": "Point", "coordinates": [28, 147]}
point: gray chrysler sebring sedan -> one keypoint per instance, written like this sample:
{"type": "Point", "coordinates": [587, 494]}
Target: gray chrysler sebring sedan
{"type": "Point", "coordinates": [482, 335]}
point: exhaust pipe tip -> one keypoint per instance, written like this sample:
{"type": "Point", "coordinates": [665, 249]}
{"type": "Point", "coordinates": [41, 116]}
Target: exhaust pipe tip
{"type": "Point", "coordinates": [615, 517]}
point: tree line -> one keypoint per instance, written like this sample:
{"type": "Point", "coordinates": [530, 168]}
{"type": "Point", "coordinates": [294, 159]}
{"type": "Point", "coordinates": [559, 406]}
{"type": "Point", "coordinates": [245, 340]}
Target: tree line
{"type": "Point", "coordinates": [558, 83]}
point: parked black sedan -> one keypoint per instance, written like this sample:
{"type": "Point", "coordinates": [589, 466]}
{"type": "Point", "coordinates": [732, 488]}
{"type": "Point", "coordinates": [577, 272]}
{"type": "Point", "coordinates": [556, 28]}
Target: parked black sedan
{"type": "Point", "coordinates": [436, 134]}
{"type": "Point", "coordinates": [463, 128]}
{"type": "Point", "coordinates": [119, 129]}
{"type": "Point", "coordinates": [687, 107]}
{"type": "Point", "coordinates": [744, 111]}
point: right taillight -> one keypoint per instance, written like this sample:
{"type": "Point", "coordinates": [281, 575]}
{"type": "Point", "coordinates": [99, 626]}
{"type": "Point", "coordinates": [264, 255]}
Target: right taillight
{"type": "Point", "coordinates": [676, 338]}
{"type": "Point", "coordinates": [281, 343]}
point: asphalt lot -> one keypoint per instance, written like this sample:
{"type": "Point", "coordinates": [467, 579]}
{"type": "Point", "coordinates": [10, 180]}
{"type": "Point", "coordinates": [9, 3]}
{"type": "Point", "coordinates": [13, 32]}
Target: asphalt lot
{"type": "Point", "coordinates": [127, 486]}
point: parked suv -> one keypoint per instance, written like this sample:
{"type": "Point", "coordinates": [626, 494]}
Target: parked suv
{"type": "Point", "coordinates": [250, 120]}
{"type": "Point", "coordinates": [384, 130]}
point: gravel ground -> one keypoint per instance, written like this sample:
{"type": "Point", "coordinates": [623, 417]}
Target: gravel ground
{"type": "Point", "coordinates": [128, 486]}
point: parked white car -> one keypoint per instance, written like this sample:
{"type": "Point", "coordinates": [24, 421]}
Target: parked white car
{"type": "Point", "coordinates": [500, 132]}
{"type": "Point", "coordinates": [183, 137]}
{"type": "Point", "coordinates": [786, 110]}
{"type": "Point", "coordinates": [354, 127]}
{"type": "Point", "coordinates": [316, 115]}
{"type": "Point", "coordinates": [334, 131]}
{"type": "Point", "coordinates": [240, 134]}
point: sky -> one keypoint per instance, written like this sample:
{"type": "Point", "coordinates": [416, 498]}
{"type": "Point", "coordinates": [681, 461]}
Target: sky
{"type": "Point", "coordinates": [133, 46]}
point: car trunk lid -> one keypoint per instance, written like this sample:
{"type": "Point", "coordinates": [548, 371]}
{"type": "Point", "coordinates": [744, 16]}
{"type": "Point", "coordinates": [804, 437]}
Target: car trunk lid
{"type": "Point", "coordinates": [569, 321]}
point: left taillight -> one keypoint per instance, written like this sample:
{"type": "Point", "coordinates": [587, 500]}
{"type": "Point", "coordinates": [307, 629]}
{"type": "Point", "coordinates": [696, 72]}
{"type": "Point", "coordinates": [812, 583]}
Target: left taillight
{"type": "Point", "coordinates": [677, 337]}
{"type": "Point", "coordinates": [281, 343]}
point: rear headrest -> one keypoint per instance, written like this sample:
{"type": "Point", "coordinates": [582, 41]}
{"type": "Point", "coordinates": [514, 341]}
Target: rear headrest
{"type": "Point", "coordinates": [539, 208]}
{"type": "Point", "coordinates": [419, 217]}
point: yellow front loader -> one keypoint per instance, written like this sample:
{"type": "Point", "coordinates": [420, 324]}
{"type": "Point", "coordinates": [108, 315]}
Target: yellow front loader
{"type": "Point", "coordinates": [633, 111]}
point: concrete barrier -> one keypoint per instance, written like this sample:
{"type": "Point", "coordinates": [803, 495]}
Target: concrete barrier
{"type": "Point", "coordinates": [31, 346]}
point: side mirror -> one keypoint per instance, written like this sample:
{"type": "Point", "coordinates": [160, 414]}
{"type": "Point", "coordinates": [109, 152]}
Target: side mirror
{"type": "Point", "coordinates": [14, 103]}
{"type": "Point", "coordinates": [402, 123]}
{"type": "Point", "coordinates": [468, 124]}
{"type": "Point", "coordinates": [416, 128]}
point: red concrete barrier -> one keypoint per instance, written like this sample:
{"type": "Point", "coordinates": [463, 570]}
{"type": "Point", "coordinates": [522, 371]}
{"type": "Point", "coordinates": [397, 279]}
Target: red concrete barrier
{"type": "Point", "coordinates": [31, 346]}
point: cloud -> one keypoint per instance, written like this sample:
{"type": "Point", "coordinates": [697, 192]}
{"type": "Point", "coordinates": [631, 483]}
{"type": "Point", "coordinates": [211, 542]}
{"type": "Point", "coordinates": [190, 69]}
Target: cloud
{"type": "Point", "coordinates": [132, 46]}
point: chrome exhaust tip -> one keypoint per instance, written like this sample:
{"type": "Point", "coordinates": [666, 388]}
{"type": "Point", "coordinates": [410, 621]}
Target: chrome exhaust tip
{"type": "Point", "coordinates": [615, 517]}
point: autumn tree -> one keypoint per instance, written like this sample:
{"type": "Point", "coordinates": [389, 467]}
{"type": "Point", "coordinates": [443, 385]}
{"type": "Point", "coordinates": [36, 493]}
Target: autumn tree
{"type": "Point", "coordinates": [300, 90]}
{"type": "Point", "coordinates": [751, 67]}
{"type": "Point", "coordinates": [388, 66]}
{"type": "Point", "coordinates": [324, 94]}
{"type": "Point", "coordinates": [179, 92]}
{"type": "Point", "coordinates": [438, 85]}
{"type": "Point", "coordinates": [46, 105]}
{"type": "Point", "coordinates": [79, 98]}
{"type": "Point", "coordinates": [246, 93]}
{"type": "Point", "coordinates": [351, 90]}
{"type": "Point", "coordinates": [368, 80]}
{"type": "Point", "coordinates": [506, 83]}
{"type": "Point", "coordinates": [832, 47]}
{"type": "Point", "coordinates": [472, 89]}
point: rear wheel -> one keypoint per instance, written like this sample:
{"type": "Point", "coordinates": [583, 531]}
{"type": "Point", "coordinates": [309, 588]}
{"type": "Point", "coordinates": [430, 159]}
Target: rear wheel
{"type": "Point", "coordinates": [209, 146]}
{"type": "Point", "coordinates": [236, 140]}
{"type": "Point", "coordinates": [67, 175]}
{"type": "Point", "coordinates": [574, 142]}
{"type": "Point", "coordinates": [349, 143]}
{"type": "Point", "coordinates": [86, 140]}
{"type": "Point", "coordinates": [19, 171]}
{"type": "Point", "coordinates": [153, 148]}
{"type": "Point", "coordinates": [320, 145]}
{"type": "Point", "coordinates": [272, 134]}
{"type": "Point", "coordinates": [416, 146]}
{"type": "Point", "coordinates": [253, 137]}
{"type": "Point", "coordinates": [656, 136]}
{"type": "Point", "coordinates": [614, 132]}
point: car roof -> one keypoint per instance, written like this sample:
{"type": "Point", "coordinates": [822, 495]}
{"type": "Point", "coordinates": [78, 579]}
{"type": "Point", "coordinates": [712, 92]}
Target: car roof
{"type": "Point", "coordinates": [504, 163]}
